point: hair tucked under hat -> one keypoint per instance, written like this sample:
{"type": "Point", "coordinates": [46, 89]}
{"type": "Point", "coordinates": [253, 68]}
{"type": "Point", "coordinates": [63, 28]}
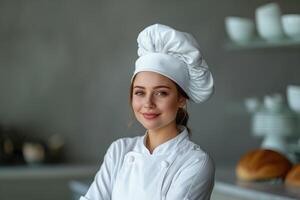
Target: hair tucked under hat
{"type": "Point", "coordinates": [176, 55]}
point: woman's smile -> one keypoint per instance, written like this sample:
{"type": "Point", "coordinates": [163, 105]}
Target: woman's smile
{"type": "Point", "coordinates": [150, 116]}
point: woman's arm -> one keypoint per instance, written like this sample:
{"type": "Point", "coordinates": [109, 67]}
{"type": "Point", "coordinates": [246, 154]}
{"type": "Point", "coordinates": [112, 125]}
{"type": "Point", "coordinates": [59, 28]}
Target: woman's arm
{"type": "Point", "coordinates": [195, 182]}
{"type": "Point", "coordinates": [101, 187]}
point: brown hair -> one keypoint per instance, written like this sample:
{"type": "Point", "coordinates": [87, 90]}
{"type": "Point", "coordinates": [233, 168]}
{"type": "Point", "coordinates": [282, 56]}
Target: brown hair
{"type": "Point", "coordinates": [182, 116]}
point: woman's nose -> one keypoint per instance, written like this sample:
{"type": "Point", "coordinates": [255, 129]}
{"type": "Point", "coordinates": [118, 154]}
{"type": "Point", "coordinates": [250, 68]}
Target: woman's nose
{"type": "Point", "coordinates": [149, 103]}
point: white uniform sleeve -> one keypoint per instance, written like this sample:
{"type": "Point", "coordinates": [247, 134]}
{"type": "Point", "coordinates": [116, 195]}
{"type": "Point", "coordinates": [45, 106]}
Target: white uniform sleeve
{"type": "Point", "coordinates": [101, 187]}
{"type": "Point", "coordinates": [195, 182]}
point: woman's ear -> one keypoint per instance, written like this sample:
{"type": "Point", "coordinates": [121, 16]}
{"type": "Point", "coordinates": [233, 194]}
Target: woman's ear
{"type": "Point", "coordinates": [182, 101]}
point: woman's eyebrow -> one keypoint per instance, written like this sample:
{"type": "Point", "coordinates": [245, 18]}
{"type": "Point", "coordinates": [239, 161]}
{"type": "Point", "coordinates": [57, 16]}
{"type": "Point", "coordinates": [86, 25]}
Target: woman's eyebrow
{"type": "Point", "coordinates": [159, 86]}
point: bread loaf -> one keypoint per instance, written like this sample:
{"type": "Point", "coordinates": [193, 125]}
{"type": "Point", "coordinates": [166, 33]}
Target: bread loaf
{"type": "Point", "coordinates": [262, 164]}
{"type": "Point", "coordinates": [293, 176]}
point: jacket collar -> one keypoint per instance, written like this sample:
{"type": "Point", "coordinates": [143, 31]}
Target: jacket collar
{"type": "Point", "coordinates": [167, 147]}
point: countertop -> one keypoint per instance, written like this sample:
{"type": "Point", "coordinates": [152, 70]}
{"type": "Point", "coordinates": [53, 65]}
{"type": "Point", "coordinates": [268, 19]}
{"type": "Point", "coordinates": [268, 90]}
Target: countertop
{"type": "Point", "coordinates": [227, 183]}
{"type": "Point", "coordinates": [47, 171]}
{"type": "Point", "coordinates": [46, 181]}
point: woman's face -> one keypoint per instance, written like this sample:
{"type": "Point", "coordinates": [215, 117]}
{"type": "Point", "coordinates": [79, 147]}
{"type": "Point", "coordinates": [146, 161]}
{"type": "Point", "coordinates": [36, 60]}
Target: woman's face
{"type": "Point", "coordinates": [155, 100]}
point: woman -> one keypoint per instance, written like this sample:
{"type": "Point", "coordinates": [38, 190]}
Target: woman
{"type": "Point", "coordinates": [163, 163]}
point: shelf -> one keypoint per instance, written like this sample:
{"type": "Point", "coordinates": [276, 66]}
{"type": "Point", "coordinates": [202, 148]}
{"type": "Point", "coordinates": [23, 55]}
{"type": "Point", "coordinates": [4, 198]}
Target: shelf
{"type": "Point", "coordinates": [259, 43]}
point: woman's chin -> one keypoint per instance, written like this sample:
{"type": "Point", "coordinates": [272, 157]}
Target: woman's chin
{"type": "Point", "coordinates": [154, 124]}
{"type": "Point", "coordinates": [151, 126]}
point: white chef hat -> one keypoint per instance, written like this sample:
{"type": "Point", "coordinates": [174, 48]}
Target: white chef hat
{"type": "Point", "coordinates": [176, 55]}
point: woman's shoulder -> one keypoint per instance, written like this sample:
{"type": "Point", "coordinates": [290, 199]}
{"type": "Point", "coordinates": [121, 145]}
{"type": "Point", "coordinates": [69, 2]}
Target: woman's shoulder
{"type": "Point", "coordinates": [124, 144]}
{"type": "Point", "coordinates": [193, 161]}
{"type": "Point", "coordinates": [126, 141]}
{"type": "Point", "coordinates": [193, 154]}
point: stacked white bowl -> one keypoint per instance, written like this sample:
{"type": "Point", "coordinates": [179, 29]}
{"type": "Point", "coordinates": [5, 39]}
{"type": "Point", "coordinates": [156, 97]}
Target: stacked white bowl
{"type": "Point", "coordinates": [268, 21]}
{"type": "Point", "coordinates": [270, 25]}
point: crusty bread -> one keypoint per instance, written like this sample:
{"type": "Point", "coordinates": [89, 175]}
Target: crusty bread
{"type": "Point", "coordinates": [262, 164]}
{"type": "Point", "coordinates": [293, 176]}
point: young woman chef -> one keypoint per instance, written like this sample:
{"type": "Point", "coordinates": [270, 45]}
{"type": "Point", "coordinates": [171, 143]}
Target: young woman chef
{"type": "Point", "coordinates": [163, 164]}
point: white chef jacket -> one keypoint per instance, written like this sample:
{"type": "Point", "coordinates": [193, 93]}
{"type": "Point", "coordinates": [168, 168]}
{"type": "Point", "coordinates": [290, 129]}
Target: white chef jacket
{"type": "Point", "coordinates": [176, 170]}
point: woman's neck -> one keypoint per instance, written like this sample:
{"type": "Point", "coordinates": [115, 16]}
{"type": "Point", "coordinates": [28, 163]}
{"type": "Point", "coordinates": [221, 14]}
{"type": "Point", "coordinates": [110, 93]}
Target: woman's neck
{"type": "Point", "coordinates": [160, 136]}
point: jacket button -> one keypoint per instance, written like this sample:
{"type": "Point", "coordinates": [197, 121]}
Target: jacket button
{"type": "Point", "coordinates": [131, 159]}
{"type": "Point", "coordinates": [196, 147]}
{"type": "Point", "coordinates": [164, 164]}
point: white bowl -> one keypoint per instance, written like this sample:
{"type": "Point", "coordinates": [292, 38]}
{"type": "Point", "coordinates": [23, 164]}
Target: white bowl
{"type": "Point", "coordinates": [268, 22]}
{"type": "Point", "coordinates": [291, 25]}
{"type": "Point", "coordinates": [293, 97]}
{"type": "Point", "coordinates": [239, 29]}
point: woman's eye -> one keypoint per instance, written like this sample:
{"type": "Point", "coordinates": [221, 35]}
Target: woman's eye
{"type": "Point", "coordinates": [162, 93]}
{"type": "Point", "coordinates": [138, 93]}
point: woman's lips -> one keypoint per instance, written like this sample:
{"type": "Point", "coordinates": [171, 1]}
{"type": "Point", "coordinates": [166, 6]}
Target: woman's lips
{"type": "Point", "coordinates": [150, 116]}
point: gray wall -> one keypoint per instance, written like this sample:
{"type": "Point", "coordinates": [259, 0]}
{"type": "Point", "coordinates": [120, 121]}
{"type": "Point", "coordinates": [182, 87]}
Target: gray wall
{"type": "Point", "coordinates": [65, 67]}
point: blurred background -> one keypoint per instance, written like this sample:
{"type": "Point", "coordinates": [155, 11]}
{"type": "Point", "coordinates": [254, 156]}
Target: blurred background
{"type": "Point", "coordinates": [65, 69]}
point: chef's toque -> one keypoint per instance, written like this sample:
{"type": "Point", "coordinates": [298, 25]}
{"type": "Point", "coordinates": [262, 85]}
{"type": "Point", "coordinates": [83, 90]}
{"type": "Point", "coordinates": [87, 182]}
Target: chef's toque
{"type": "Point", "coordinates": [176, 55]}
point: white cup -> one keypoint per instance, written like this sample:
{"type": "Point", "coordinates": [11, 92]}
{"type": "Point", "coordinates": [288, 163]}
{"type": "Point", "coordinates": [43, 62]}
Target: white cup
{"type": "Point", "coordinates": [239, 29]}
{"type": "Point", "coordinates": [291, 25]}
{"type": "Point", "coordinates": [293, 97]}
{"type": "Point", "coordinates": [268, 21]}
